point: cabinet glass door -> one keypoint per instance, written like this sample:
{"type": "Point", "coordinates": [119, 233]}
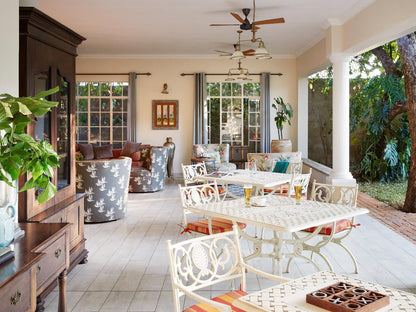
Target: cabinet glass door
{"type": "Point", "coordinates": [63, 134]}
{"type": "Point", "coordinates": [42, 126]}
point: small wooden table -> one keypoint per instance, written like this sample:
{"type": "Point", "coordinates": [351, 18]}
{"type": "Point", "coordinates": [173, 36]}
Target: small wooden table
{"type": "Point", "coordinates": [291, 296]}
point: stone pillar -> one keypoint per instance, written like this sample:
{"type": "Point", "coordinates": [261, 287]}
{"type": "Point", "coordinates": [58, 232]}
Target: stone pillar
{"type": "Point", "coordinates": [340, 174]}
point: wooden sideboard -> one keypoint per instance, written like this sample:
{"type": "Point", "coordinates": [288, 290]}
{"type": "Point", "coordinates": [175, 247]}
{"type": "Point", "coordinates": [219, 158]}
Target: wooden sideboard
{"type": "Point", "coordinates": [40, 257]}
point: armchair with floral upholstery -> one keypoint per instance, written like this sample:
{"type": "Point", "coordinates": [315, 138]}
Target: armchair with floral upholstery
{"type": "Point", "coordinates": [265, 161]}
{"type": "Point", "coordinates": [221, 153]}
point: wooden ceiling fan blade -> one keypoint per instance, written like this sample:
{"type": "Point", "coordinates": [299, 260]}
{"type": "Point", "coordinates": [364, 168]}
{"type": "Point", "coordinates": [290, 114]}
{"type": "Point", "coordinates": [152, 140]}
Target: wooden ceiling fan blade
{"type": "Point", "coordinates": [270, 21]}
{"type": "Point", "coordinates": [224, 24]}
{"type": "Point", "coordinates": [255, 27]}
{"type": "Point", "coordinates": [238, 18]}
{"type": "Point", "coordinates": [249, 52]}
{"type": "Point", "coordinates": [224, 53]}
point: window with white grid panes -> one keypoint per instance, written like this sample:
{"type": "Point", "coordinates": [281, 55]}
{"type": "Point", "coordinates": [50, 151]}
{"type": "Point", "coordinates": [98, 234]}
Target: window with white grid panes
{"type": "Point", "coordinates": [233, 110]}
{"type": "Point", "coordinates": [101, 113]}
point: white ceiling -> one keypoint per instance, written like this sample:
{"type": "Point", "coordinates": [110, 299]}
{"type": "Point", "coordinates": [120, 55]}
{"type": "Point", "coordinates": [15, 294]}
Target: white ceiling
{"type": "Point", "coordinates": [180, 28]}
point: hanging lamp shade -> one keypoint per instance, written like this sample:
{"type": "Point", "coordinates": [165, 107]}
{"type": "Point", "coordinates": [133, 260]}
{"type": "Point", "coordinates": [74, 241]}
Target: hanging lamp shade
{"type": "Point", "coordinates": [229, 78]}
{"type": "Point", "coordinates": [261, 50]}
{"type": "Point", "coordinates": [237, 55]}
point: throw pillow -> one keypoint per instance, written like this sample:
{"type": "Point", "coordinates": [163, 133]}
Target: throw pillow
{"type": "Point", "coordinates": [281, 166]}
{"type": "Point", "coordinates": [135, 156]}
{"type": "Point", "coordinates": [104, 151]}
{"type": "Point", "coordinates": [130, 148]}
{"type": "Point", "coordinates": [145, 157]}
{"type": "Point", "coordinates": [86, 151]}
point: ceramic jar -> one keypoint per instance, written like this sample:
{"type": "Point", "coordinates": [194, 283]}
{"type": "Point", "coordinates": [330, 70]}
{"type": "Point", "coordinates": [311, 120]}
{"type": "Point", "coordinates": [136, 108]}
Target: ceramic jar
{"type": "Point", "coordinates": [171, 146]}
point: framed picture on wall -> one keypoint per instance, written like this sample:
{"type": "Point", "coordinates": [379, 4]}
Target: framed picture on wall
{"type": "Point", "coordinates": [165, 114]}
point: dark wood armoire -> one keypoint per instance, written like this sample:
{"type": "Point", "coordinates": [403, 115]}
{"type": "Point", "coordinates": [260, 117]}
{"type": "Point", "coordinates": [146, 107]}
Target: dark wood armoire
{"type": "Point", "coordinates": [47, 59]}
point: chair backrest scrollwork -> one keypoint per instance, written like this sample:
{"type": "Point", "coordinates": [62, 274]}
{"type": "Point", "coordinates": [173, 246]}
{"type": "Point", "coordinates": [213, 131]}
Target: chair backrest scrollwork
{"type": "Point", "coordinates": [335, 194]}
{"type": "Point", "coordinates": [191, 171]}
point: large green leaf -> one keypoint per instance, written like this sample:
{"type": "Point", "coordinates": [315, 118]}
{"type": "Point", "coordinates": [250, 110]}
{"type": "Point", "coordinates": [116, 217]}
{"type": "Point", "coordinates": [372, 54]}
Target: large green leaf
{"type": "Point", "coordinates": [44, 94]}
{"type": "Point", "coordinates": [48, 192]}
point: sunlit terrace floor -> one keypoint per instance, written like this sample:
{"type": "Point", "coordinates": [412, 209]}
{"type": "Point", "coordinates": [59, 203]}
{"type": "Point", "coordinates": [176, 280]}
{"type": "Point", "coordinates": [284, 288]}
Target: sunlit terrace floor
{"type": "Point", "coordinates": [128, 266]}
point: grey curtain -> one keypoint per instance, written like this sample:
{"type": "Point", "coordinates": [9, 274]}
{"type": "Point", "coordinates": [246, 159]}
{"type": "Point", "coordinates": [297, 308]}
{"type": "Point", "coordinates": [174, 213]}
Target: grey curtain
{"type": "Point", "coordinates": [200, 135]}
{"type": "Point", "coordinates": [132, 109]}
{"type": "Point", "coordinates": [265, 113]}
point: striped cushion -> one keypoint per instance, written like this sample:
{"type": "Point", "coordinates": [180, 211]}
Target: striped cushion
{"type": "Point", "coordinates": [218, 226]}
{"type": "Point", "coordinates": [227, 299]}
{"type": "Point", "coordinates": [282, 189]}
{"type": "Point", "coordinates": [327, 228]}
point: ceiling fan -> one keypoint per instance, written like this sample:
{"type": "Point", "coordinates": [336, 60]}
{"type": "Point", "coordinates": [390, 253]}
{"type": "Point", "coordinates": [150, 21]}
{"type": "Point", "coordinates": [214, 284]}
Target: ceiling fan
{"type": "Point", "coordinates": [237, 54]}
{"type": "Point", "coordinates": [245, 23]}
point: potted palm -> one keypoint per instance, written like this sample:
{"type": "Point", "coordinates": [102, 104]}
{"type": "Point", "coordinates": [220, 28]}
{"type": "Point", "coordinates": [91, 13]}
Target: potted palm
{"type": "Point", "coordinates": [284, 113]}
{"type": "Point", "coordinates": [20, 154]}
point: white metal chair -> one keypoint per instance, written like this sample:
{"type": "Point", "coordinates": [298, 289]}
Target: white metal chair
{"type": "Point", "coordinates": [191, 171]}
{"type": "Point", "coordinates": [195, 195]}
{"type": "Point", "coordinates": [300, 179]}
{"type": "Point", "coordinates": [288, 189]}
{"type": "Point", "coordinates": [334, 232]}
{"type": "Point", "coordinates": [204, 261]}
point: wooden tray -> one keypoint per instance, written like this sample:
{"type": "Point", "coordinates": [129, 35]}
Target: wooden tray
{"type": "Point", "coordinates": [343, 297]}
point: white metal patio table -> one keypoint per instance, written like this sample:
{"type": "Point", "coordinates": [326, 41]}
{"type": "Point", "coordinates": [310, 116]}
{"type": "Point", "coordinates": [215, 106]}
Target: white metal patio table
{"type": "Point", "coordinates": [291, 296]}
{"type": "Point", "coordinates": [282, 215]}
{"type": "Point", "coordinates": [258, 179]}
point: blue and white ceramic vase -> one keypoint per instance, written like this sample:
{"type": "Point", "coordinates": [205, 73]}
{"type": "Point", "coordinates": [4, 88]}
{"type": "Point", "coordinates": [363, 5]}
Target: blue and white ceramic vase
{"type": "Point", "coordinates": [8, 206]}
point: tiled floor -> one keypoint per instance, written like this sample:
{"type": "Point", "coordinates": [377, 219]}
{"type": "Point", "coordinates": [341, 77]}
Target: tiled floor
{"type": "Point", "coordinates": [128, 267]}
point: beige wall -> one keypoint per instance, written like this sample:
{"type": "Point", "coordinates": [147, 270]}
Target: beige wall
{"type": "Point", "coordinates": [379, 23]}
{"type": "Point", "coordinates": [182, 89]}
{"type": "Point", "coordinates": [9, 37]}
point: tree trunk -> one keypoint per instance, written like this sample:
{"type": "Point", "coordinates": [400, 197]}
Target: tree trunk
{"type": "Point", "coordinates": [407, 48]}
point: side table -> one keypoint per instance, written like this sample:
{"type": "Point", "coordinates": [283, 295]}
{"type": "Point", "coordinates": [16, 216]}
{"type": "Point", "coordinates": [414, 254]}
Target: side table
{"type": "Point", "coordinates": [209, 163]}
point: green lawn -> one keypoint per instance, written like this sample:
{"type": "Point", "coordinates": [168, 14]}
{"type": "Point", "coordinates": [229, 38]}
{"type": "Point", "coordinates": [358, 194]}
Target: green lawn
{"type": "Point", "coordinates": [390, 193]}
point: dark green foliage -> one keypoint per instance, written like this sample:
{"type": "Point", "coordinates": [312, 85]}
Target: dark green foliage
{"type": "Point", "coordinates": [385, 149]}
{"type": "Point", "coordinates": [19, 152]}
{"type": "Point", "coordinates": [284, 112]}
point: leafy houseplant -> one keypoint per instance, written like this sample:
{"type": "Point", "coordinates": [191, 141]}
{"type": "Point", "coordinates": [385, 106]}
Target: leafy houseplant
{"type": "Point", "coordinates": [19, 153]}
{"type": "Point", "coordinates": [284, 112]}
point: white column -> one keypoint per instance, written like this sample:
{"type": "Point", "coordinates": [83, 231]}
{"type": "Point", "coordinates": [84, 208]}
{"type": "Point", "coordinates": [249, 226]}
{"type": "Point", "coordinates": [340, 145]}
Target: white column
{"type": "Point", "coordinates": [303, 114]}
{"type": "Point", "coordinates": [341, 121]}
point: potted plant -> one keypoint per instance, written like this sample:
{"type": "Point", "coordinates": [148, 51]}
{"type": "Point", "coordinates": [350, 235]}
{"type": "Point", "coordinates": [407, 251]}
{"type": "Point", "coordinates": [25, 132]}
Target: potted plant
{"type": "Point", "coordinates": [284, 113]}
{"type": "Point", "coordinates": [19, 153]}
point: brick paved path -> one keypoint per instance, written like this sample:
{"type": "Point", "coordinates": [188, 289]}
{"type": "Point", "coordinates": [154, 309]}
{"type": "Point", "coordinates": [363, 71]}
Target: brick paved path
{"type": "Point", "coordinates": [401, 222]}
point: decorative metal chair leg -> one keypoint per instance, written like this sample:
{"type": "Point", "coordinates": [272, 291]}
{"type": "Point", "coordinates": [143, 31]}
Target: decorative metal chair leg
{"type": "Point", "coordinates": [352, 257]}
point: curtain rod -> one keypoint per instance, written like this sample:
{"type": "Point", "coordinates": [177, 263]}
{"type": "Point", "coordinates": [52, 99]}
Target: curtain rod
{"type": "Point", "coordinates": [183, 74]}
{"type": "Point", "coordinates": [113, 74]}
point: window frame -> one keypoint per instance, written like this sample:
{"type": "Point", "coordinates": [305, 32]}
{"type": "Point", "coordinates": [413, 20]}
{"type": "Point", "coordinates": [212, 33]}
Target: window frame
{"type": "Point", "coordinates": [110, 99]}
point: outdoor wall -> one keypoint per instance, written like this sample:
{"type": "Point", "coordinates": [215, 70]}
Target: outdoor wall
{"type": "Point", "coordinates": [9, 37]}
{"type": "Point", "coordinates": [379, 23]}
{"type": "Point", "coordinates": [182, 89]}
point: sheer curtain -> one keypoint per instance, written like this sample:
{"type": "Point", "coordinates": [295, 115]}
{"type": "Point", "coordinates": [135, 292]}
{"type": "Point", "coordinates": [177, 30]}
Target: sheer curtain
{"type": "Point", "coordinates": [200, 135]}
{"type": "Point", "coordinates": [265, 113]}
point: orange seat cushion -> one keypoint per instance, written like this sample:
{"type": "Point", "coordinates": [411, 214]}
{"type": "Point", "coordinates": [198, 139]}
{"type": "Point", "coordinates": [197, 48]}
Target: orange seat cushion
{"type": "Point", "coordinates": [282, 189]}
{"type": "Point", "coordinates": [227, 299]}
{"type": "Point", "coordinates": [218, 225]}
{"type": "Point", "coordinates": [327, 228]}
